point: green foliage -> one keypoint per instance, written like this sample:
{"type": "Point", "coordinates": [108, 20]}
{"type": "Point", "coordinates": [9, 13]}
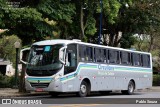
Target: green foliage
{"type": "Point", "coordinates": [26, 22]}
{"type": "Point", "coordinates": [127, 41]}
{"type": "Point", "coordinates": [6, 82]}
{"type": "Point", "coordinates": [111, 9]}
{"type": "Point", "coordinates": [66, 19]}
{"type": "Point", "coordinates": [60, 13]}
{"type": "Point", "coordinates": [8, 51]}
{"type": "Point", "coordinates": [156, 80]}
{"type": "Point", "coordinates": [90, 26]}
{"type": "Point", "coordinates": [55, 10]}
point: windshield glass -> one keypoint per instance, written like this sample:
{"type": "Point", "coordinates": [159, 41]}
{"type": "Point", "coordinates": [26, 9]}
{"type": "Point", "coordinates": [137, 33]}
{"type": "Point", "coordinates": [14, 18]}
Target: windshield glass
{"type": "Point", "coordinates": [45, 56]}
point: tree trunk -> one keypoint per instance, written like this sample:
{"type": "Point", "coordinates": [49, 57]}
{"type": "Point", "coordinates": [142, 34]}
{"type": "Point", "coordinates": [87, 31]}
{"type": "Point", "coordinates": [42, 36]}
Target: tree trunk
{"type": "Point", "coordinates": [115, 44]}
{"type": "Point", "coordinates": [111, 39]}
{"type": "Point", "coordinates": [151, 44]}
{"type": "Point", "coordinates": [22, 77]}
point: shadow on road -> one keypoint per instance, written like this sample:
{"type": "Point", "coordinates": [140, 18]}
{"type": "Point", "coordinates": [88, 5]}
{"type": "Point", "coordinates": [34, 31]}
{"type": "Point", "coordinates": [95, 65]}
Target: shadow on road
{"type": "Point", "coordinates": [93, 94]}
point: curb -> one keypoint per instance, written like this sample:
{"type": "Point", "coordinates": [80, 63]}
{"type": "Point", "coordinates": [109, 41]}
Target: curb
{"type": "Point", "coordinates": [23, 95]}
{"type": "Point", "coordinates": [17, 94]}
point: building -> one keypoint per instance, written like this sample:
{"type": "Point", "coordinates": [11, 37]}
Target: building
{"type": "Point", "coordinates": [6, 68]}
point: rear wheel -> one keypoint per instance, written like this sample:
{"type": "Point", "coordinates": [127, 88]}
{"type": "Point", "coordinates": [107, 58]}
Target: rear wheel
{"type": "Point", "coordinates": [84, 89]}
{"type": "Point", "coordinates": [131, 87]}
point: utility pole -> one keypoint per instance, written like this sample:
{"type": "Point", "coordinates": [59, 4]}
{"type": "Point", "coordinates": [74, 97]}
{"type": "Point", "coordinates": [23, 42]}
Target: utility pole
{"type": "Point", "coordinates": [100, 24]}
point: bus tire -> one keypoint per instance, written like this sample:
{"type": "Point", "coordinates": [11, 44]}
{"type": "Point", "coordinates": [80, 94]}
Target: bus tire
{"type": "Point", "coordinates": [130, 90]}
{"type": "Point", "coordinates": [84, 89]}
{"type": "Point", "coordinates": [54, 94]}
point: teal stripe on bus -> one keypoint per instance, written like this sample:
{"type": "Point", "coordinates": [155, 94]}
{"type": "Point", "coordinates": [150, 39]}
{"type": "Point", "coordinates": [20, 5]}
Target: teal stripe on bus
{"type": "Point", "coordinates": [81, 66]}
{"type": "Point", "coordinates": [132, 69]}
{"type": "Point", "coordinates": [40, 79]}
{"type": "Point", "coordinates": [78, 70]}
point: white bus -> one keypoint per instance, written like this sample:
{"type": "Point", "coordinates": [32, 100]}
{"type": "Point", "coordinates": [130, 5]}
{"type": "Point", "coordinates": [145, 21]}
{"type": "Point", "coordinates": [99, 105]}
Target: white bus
{"type": "Point", "coordinates": [58, 66]}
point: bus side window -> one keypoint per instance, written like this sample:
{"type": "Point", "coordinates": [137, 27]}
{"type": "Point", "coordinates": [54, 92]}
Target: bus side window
{"type": "Point", "coordinates": [113, 56]}
{"type": "Point", "coordinates": [104, 55]}
{"type": "Point", "coordinates": [71, 58]}
{"type": "Point", "coordinates": [89, 55]}
{"type": "Point", "coordinates": [136, 59]}
{"type": "Point", "coordinates": [82, 52]}
{"type": "Point", "coordinates": [145, 60]}
{"type": "Point", "coordinates": [97, 55]}
{"type": "Point", "coordinates": [148, 61]}
{"type": "Point", "coordinates": [125, 58]}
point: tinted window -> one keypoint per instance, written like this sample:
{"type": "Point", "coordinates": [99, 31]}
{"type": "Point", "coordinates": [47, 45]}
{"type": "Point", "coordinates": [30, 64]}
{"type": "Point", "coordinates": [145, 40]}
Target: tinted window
{"type": "Point", "coordinates": [113, 56]}
{"type": "Point", "coordinates": [71, 58]}
{"type": "Point", "coordinates": [145, 60]}
{"type": "Point", "coordinates": [136, 59]}
{"type": "Point", "coordinates": [71, 55]}
{"type": "Point", "coordinates": [125, 58]}
{"type": "Point", "coordinates": [97, 53]}
{"type": "Point", "coordinates": [85, 53]}
{"type": "Point", "coordinates": [89, 53]}
{"type": "Point", "coordinates": [100, 55]}
{"type": "Point", "coordinates": [82, 52]}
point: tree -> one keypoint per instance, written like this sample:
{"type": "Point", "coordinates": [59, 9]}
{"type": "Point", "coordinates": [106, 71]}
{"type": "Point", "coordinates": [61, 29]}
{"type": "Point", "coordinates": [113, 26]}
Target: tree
{"type": "Point", "coordinates": [26, 22]}
{"type": "Point", "coordinates": [115, 21]}
{"type": "Point", "coordinates": [7, 48]}
{"type": "Point", "coordinates": [147, 24]}
{"type": "Point", "coordinates": [60, 12]}
{"type": "Point", "coordinates": [85, 10]}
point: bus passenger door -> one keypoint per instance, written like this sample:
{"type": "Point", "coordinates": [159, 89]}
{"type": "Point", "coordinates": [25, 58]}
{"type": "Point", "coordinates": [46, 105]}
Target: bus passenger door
{"type": "Point", "coordinates": [71, 65]}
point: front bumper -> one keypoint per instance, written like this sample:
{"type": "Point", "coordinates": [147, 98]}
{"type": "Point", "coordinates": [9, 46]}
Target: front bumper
{"type": "Point", "coordinates": [46, 86]}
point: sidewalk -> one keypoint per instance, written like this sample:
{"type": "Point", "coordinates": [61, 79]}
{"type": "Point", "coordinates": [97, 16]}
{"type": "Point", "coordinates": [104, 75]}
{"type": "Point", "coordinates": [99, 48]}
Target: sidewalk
{"type": "Point", "coordinates": [9, 92]}
{"type": "Point", "coordinates": [153, 89]}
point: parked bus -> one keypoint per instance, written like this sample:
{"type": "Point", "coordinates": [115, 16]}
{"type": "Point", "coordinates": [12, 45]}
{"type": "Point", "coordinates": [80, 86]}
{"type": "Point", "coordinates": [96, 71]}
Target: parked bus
{"type": "Point", "coordinates": [57, 66]}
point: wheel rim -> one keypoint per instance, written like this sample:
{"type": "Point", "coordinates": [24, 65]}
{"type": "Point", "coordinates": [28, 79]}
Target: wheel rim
{"type": "Point", "coordinates": [83, 88]}
{"type": "Point", "coordinates": [131, 88]}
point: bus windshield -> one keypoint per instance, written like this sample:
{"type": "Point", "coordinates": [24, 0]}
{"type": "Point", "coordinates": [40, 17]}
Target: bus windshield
{"type": "Point", "coordinates": [46, 56]}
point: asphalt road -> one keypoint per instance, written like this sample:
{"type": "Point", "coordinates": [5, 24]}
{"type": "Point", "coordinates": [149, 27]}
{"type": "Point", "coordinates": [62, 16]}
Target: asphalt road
{"type": "Point", "coordinates": [139, 99]}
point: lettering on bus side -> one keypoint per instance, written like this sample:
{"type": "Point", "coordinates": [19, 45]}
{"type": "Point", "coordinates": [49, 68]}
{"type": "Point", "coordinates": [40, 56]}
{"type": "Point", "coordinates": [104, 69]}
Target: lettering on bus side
{"type": "Point", "coordinates": [106, 68]}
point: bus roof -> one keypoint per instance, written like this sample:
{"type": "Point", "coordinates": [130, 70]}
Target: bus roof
{"type": "Point", "coordinates": [65, 42]}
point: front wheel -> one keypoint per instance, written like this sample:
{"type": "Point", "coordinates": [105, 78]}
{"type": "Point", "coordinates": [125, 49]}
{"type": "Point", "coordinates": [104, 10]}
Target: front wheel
{"type": "Point", "coordinates": [130, 90]}
{"type": "Point", "coordinates": [84, 89]}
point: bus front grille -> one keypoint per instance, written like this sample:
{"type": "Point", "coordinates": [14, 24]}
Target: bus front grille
{"type": "Point", "coordinates": [39, 85]}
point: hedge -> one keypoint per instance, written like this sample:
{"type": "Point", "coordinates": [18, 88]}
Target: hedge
{"type": "Point", "coordinates": [6, 81]}
{"type": "Point", "coordinates": [156, 80]}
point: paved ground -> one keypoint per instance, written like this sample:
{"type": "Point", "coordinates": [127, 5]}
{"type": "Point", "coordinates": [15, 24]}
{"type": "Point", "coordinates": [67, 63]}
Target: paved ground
{"type": "Point", "coordinates": [138, 99]}
{"type": "Point", "coordinates": [9, 92]}
{"type": "Point", "coordinates": [115, 99]}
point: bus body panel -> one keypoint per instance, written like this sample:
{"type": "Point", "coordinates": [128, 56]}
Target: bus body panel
{"type": "Point", "coordinates": [102, 76]}
{"type": "Point", "coordinates": [100, 79]}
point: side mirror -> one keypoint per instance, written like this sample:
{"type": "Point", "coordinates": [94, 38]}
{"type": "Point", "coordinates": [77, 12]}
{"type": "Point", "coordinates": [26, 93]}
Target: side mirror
{"type": "Point", "coordinates": [24, 55]}
{"type": "Point", "coordinates": [62, 52]}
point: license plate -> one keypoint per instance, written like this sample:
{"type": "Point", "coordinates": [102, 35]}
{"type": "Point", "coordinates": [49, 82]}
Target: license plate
{"type": "Point", "coordinates": [39, 89]}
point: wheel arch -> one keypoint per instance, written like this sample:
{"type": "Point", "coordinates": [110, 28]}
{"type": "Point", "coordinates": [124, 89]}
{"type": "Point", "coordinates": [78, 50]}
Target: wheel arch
{"type": "Point", "coordinates": [88, 83]}
{"type": "Point", "coordinates": [133, 82]}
